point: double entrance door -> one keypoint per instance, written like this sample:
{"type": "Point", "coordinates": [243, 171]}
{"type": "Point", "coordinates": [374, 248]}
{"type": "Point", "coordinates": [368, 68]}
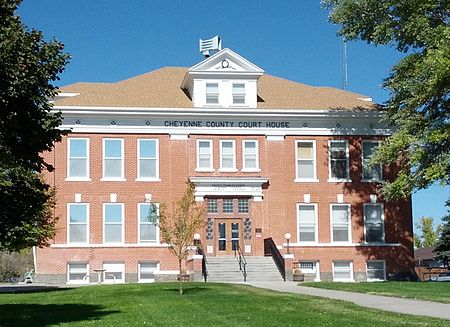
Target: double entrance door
{"type": "Point", "coordinates": [228, 235]}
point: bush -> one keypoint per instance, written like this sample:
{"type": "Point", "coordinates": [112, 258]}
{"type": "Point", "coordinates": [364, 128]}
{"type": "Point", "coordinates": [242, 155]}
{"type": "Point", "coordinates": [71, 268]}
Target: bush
{"type": "Point", "coordinates": [13, 265]}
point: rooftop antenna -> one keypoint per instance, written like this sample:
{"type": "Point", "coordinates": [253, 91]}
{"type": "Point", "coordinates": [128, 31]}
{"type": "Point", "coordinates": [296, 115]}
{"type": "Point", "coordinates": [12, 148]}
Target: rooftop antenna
{"type": "Point", "coordinates": [344, 64]}
{"type": "Point", "coordinates": [212, 44]}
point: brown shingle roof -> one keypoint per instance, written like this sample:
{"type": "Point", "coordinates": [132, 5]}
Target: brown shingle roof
{"type": "Point", "coordinates": [161, 89]}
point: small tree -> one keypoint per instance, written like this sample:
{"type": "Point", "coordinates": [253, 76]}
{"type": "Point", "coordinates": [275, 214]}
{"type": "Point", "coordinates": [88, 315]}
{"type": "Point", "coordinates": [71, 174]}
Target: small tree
{"type": "Point", "coordinates": [442, 249]}
{"type": "Point", "coordinates": [428, 234]}
{"type": "Point", "coordinates": [178, 224]}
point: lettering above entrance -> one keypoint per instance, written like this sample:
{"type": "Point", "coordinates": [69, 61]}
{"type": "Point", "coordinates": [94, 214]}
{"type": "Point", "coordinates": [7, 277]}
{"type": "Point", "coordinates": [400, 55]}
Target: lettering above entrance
{"type": "Point", "coordinates": [232, 186]}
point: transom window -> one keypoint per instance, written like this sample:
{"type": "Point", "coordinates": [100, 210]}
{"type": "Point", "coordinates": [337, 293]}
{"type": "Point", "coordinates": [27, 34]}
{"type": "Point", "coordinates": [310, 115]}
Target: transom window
{"type": "Point", "coordinates": [78, 157]}
{"type": "Point", "coordinates": [238, 93]}
{"type": "Point", "coordinates": [113, 222]}
{"type": "Point", "coordinates": [374, 222]}
{"type": "Point", "coordinates": [250, 155]}
{"type": "Point", "coordinates": [148, 229]}
{"type": "Point", "coordinates": [212, 93]}
{"type": "Point", "coordinates": [78, 222]}
{"type": "Point", "coordinates": [148, 166]}
{"type": "Point", "coordinates": [212, 206]}
{"type": "Point", "coordinates": [342, 270]}
{"type": "Point", "coordinates": [340, 220]}
{"type": "Point", "coordinates": [243, 206]}
{"type": "Point", "coordinates": [306, 160]}
{"type": "Point", "coordinates": [376, 270]}
{"type": "Point", "coordinates": [77, 272]}
{"type": "Point", "coordinates": [227, 155]}
{"type": "Point", "coordinates": [307, 222]}
{"type": "Point", "coordinates": [228, 205]}
{"type": "Point", "coordinates": [370, 173]}
{"type": "Point", "coordinates": [113, 159]}
{"type": "Point", "coordinates": [204, 155]}
{"type": "Point", "coordinates": [338, 158]}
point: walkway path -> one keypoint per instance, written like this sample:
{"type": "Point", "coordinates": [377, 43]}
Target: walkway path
{"type": "Point", "coordinates": [386, 303]}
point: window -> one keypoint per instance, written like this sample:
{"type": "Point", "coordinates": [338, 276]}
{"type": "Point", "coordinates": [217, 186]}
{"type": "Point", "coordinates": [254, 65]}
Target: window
{"type": "Point", "coordinates": [113, 222]}
{"type": "Point", "coordinates": [307, 222]}
{"type": "Point", "coordinates": [148, 165]}
{"type": "Point", "coordinates": [228, 205]}
{"type": "Point", "coordinates": [77, 273]}
{"type": "Point", "coordinates": [374, 223]}
{"type": "Point", "coordinates": [238, 93]}
{"type": "Point", "coordinates": [78, 222]}
{"type": "Point", "coordinates": [376, 270]}
{"type": "Point", "coordinates": [204, 155]}
{"type": "Point", "coordinates": [148, 230]}
{"type": "Point", "coordinates": [340, 222]}
{"type": "Point", "coordinates": [373, 173]}
{"type": "Point", "coordinates": [342, 271]}
{"type": "Point", "coordinates": [114, 273]}
{"type": "Point", "coordinates": [310, 267]}
{"type": "Point", "coordinates": [78, 157]}
{"type": "Point", "coordinates": [212, 206]}
{"type": "Point", "coordinates": [112, 158]}
{"type": "Point", "coordinates": [212, 93]}
{"type": "Point", "coordinates": [227, 155]}
{"type": "Point", "coordinates": [243, 205]}
{"type": "Point", "coordinates": [250, 156]}
{"type": "Point", "coordinates": [338, 151]}
{"type": "Point", "coordinates": [306, 160]}
{"type": "Point", "coordinates": [147, 271]}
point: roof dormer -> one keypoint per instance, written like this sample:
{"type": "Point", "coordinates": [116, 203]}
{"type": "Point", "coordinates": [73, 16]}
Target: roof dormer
{"type": "Point", "coordinates": [223, 80]}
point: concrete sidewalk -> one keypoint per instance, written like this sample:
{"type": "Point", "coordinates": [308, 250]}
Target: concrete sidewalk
{"type": "Point", "coordinates": [385, 303]}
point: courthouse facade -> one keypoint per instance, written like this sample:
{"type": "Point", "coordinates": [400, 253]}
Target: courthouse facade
{"type": "Point", "coordinates": [268, 156]}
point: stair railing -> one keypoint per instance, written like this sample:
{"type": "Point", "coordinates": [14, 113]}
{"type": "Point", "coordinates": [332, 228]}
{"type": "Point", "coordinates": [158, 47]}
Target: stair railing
{"type": "Point", "coordinates": [270, 249]}
{"type": "Point", "coordinates": [242, 262]}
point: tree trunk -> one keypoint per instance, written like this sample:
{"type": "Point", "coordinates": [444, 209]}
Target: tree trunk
{"type": "Point", "coordinates": [181, 277]}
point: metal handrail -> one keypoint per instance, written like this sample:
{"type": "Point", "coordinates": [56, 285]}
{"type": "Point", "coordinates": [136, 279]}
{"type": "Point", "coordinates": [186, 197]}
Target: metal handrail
{"type": "Point", "coordinates": [270, 248]}
{"type": "Point", "coordinates": [242, 261]}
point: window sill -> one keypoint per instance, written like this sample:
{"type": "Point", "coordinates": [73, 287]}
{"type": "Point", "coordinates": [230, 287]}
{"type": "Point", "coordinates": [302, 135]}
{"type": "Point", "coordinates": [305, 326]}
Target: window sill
{"type": "Point", "coordinates": [79, 179]}
{"type": "Point", "coordinates": [253, 170]}
{"type": "Point", "coordinates": [106, 179]}
{"type": "Point", "coordinates": [371, 180]}
{"type": "Point", "coordinates": [306, 180]}
{"type": "Point", "coordinates": [205, 170]}
{"type": "Point", "coordinates": [232, 170]}
{"type": "Point", "coordinates": [332, 180]}
{"type": "Point", "coordinates": [148, 180]}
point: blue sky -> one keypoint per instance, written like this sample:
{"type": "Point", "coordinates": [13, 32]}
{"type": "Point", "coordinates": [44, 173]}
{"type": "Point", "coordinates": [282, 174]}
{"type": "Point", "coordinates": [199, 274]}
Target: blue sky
{"type": "Point", "coordinates": [111, 40]}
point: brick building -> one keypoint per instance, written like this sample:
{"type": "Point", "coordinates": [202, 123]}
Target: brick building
{"type": "Point", "coordinates": [270, 157]}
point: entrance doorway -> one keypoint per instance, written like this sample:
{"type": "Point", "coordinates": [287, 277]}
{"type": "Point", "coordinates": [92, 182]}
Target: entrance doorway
{"type": "Point", "coordinates": [228, 234]}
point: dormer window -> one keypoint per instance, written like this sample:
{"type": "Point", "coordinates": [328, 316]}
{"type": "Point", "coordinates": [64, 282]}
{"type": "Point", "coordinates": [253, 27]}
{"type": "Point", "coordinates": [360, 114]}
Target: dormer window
{"type": "Point", "coordinates": [238, 93]}
{"type": "Point", "coordinates": [212, 93]}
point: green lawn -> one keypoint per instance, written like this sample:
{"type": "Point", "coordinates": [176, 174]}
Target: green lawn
{"type": "Point", "coordinates": [204, 304]}
{"type": "Point", "coordinates": [429, 291]}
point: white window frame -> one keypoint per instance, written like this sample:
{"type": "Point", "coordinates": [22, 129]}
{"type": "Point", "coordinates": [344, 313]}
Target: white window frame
{"type": "Point", "coordinates": [85, 280]}
{"type": "Point", "coordinates": [364, 160]}
{"type": "Point", "coordinates": [382, 222]}
{"type": "Point", "coordinates": [69, 223]}
{"type": "Point", "coordinates": [347, 156]}
{"type": "Point", "coordinates": [238, 94]}
{"type": "Point", "coordinates": [351, 279]}
{"type": "Point", "coordinates": [315, 270]}
{"type": "Point", "coordinates": [122, 223]}
{"type": "Point", "coordinates": [147, 280]}
{"type": "Point", "coordinates": [212, 93]}
{"type": "Point", "coordinates": [87, 177]}
{"type": "Point", "coordinates": [147, 179]}
{"type": "Point", "coordinates": [211, 154]}
{"type": "Point", "coordinates": [233, 169]}
{"type": "Point", "coordinates": [157, 241]}
{"type": "Point", "coordinates": [105, 273]}
{"type": "Point", "coordinates": [349, 227]}
{"type": "Point", "coordinates": [316, 227]}
{"type": "Point", "coordinates": [244, 168]}
{"type": "Point", "coordinates": [122, 149]}
{"type": "Point", "coordinates": [376, 279]}
{"type": "Point", "coordinates": [314, 178]}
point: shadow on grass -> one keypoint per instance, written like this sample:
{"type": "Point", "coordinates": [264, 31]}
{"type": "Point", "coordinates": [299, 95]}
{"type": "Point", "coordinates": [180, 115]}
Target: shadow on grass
{"type": "Point", "coordinates": [40, 315]}
{"type": "Point", "coordinates": [31, 289]}
{"type": "Point", "coordinates": [188, 290]}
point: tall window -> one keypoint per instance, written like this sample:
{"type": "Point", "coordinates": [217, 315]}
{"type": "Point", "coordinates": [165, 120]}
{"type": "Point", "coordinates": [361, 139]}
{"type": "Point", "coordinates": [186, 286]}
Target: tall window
{"type": "Point", "coordinates": [338, 152]}
{"type": "Point", "coordinates": [250, 155]}
{"type": "Point", "coordinates": [113, 222]}
{"type": "Point", "coordinates": [148, 166]}
{"type": "Point", "coordinates": [340, 221]}
{"type": "Point", "coordinates": [212, 206]}
{"type": "Point", "coordinates": [307, 222]}
{"type": "Point", "coordinates": [342, 270]}
{"type": "Point", "coordinates": [204, 155]}
{"type": "Point", "coordinates": [376, 270]}
{"type": "Point", "coordinates": [148, 231]}
{"type": "Point", "coordinates": [238, 93]}
{"type": "Point", "coordinates": [212, 93]}
{"type": "Point", "coordinates": [78, 157]}
{"type": "Point", "coordinates": [227, 155]}
{"type": "Point", "coordinates": [306, 160]}
{"type": "Point", "coordinates": [373, 173]}
{"type": "Point", "coordinates": [78, 222]}
{"type": "Point", "coordinates": [113, 158]}
{"type": "Point", "coordinates": [77, 272]}
{"type": "Point", "coordinates": [374, 222]}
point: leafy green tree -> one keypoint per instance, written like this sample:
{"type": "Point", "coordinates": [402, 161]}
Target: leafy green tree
{"type": "Point", "coordinates": [418, 107]}
{"type": "Point", "coordinates": [442, 249]}
{"type": "Point", "coordinates": [428, 234]}
{"type": "Point", "coordinates": [28, 65]}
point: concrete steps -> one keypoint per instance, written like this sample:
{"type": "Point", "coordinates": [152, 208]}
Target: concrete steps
{"type": "Point", "coordinates": [226, 269]}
